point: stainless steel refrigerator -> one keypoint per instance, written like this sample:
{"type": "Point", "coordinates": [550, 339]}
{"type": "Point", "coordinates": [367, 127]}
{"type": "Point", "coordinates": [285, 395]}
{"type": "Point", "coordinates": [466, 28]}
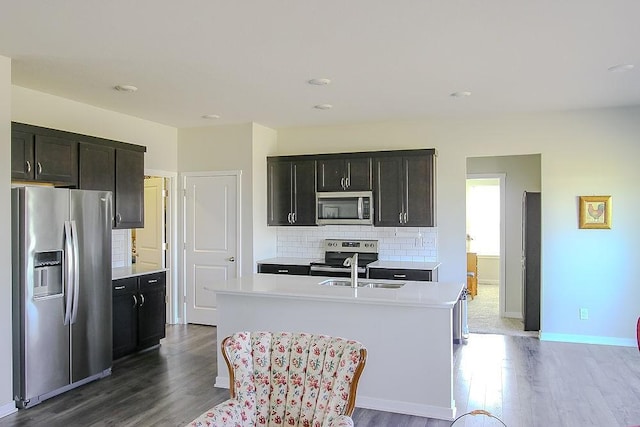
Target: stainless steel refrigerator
{"type": "Point", "coordinates": [61, 246]}
{"type": "Point", "coordinates": [531, 240]}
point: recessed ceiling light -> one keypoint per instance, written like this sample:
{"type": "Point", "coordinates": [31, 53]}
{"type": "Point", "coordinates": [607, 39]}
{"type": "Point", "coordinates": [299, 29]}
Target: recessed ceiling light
{"type": "Point", "coordinates": [319, 82]}
{"type": "Point", "coordinates": [621, 68]}
{"type": "Point", "coordinates": [460, 94]}
{"type": "Point", "coordinates": [211, 116]}
{"type": "Point", "coordinates": [323, 106]}
{"type": "Point", "coordinates": [125, 88]}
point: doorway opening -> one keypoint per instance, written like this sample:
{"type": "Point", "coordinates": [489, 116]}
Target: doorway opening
{"type": "Point", "coordinates": [152, 246]}
{"type": "Point", "coordinates": [485, 219]}
{"type": "Point", "coordinates": [516, 174]}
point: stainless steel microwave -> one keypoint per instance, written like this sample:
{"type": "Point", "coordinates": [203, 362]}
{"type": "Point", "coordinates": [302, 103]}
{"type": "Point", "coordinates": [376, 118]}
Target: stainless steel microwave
{"type": "Point", "coordinates": [344, 207]}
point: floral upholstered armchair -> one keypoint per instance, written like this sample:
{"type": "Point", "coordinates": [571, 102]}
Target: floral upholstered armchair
{"type": "Point", "coordinates": [288, 379]}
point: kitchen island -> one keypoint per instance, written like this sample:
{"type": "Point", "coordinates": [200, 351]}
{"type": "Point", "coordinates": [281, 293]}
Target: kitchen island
{"type": "Point", "coordinates": [408, 332]}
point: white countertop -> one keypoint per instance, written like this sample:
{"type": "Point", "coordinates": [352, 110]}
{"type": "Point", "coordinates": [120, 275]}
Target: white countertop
{"type": "Point", "coordinates": [133, 270]}
{"type": "Point", "coordinates": [417, 294]}
{"type": "Point", "coordinates": [407, 265]}
{"type": "Point", "coordinates": [289, 261]}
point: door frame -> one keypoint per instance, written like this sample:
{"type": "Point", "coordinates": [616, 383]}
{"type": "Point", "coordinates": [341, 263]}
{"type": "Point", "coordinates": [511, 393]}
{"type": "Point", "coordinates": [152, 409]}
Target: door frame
{"type": "Point", "coordinates": [173, 314]}
{"type": "Point", "coordinates": [183, 263]}
{"type": "Point", "coordinates": [501, 177]}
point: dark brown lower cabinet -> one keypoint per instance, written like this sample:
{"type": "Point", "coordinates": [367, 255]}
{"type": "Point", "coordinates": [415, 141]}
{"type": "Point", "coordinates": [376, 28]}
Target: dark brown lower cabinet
{"type": "Point", "coordinates": [298, 270]}
{"type": "Point", "coordinates": [139, 313]}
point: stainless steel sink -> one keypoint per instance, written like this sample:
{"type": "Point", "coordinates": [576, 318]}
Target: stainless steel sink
{"type": "Point", "coordinates": [378, 285]}
{"type": "Point", "coordinates": [363, 284]}
{"type": "Point", "coordinates": [333, 282]}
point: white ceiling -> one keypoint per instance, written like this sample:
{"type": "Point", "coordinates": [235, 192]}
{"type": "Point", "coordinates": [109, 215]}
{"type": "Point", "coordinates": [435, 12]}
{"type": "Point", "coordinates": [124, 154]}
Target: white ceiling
{"type": "Point", "coordinates": [387, 60]}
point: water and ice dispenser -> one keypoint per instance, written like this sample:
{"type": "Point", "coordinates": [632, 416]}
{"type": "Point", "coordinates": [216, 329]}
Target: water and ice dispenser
{"type": "Point", "coordinates": [47, 277]}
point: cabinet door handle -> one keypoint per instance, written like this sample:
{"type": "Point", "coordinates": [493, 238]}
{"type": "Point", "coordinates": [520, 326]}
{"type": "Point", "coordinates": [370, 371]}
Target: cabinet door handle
{"type": "Point", "coordinates": [232, 259]}
{"type": "Point", "coordinates": [399, 276]}
{"type": "Point", "coordinates": [405, 217]}
{"type": "Point", "coordinates": [347, 182]}
{"type": "Point", "coordinates": [153, 281]}
{"type": "Point", "coordinates": [119, 288]}
{"type": "Point", "coordinates": [342, 183]}
{"type": "Point", "coordinates": [283, 271]}
{"type": "Point", "coordinates": [141, 300]}
{"type": "Point", "coordinates": [118, 218]}
{"type": "Point", "coordinates": [28, 166]}
{"type": "Point", "coordinates": [289, 217]}
{"type": "Point", "coordinates": [400, 218]}
{"type": "Point", "coordinates": [294, 217]}
{"type": "Point", "coordinates": [135, 300]}
{"type": "Point", "coordinates": [39, 167]}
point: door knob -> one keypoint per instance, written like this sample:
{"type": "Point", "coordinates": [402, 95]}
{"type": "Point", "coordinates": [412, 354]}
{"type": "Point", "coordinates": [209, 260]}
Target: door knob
{"type": "Point", "coordinates": [232, 259]}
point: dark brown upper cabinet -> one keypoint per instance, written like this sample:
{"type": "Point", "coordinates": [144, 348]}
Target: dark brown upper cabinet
{"type": "Point", "coordinates": [404, 189]}
{"type": "Point", "coordinates": [291, 191]}
{"type": "Point", "coordinates": [129, 194]}
{"type": "Point", "coordinates": [344, 174]}
{"type": "Point", "coordinates": [120, 171]}
{"type": "Point", "coordinates": [86, 162]}
{"type": "Point", "coordinates": [43, 158]}
{"type": "Point", "coordinates": [97, 167]}
{"type": "Point", "coordinates": [22, 156]}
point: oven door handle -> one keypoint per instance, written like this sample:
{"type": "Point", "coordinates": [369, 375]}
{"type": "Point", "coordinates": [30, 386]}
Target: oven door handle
{"type": "Point", "coordinates": [335, 269]}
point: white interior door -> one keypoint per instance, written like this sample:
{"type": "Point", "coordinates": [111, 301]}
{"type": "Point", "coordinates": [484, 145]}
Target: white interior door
{"type": "Point", "coordinates": [211, 240]}
{"type": "Point", "coordinates": [150, 240]}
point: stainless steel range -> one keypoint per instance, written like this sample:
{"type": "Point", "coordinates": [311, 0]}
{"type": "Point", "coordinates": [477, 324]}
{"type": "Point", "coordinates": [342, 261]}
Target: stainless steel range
{"type": "Point", "coordinates": [336, 251]}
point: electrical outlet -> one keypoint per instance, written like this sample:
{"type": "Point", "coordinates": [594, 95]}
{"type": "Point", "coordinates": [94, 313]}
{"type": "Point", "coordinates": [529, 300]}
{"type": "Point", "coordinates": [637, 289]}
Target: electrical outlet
{"type": "Point", "coordinates": [584, 314]}
{"type": "Point", "coordinates": [429, 241]}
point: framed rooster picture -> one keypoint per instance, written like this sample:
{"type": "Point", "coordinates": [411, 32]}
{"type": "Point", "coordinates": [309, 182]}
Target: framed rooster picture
{"type": "Point", "coordinates": [595, 212]}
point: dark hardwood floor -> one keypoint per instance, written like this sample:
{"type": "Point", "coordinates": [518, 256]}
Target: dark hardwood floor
{"type": "Point", "coordinates": [523, 381]}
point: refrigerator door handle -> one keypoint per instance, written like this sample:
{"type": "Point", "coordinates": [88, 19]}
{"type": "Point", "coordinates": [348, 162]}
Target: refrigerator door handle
{"type": "Point", "coordinates": [76, 271]}
{"type": "Point", "coordinates": [68, 282]}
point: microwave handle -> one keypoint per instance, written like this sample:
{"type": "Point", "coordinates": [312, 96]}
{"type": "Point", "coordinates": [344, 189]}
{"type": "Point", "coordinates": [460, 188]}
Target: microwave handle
{"type": "Point", "coordinates": [360, 203]}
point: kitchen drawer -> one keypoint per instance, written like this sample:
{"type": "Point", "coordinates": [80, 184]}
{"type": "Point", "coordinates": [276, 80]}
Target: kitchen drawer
{"type": "Point", "coordinates": [299, 270]}
{"type": "Point", "coordinates": [151, 280]}
{"type": "Point", "coordinates": [400, 274]}
{"type": "Point", "coordinates": [128, 285]}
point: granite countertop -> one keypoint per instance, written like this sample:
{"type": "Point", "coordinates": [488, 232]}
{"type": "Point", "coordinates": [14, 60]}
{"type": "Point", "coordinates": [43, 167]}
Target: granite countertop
{"type": "Point", "coordinates": [132, 271]}
{"type": "Point", "coordinates": [407, 265]}
{"type": "Point", "coordinates": [417, 294]}
{"type": "Point", "coordinates": [289, 261]}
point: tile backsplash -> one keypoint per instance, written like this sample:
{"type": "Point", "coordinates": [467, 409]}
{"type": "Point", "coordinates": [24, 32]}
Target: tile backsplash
{"type": "Point", "coordinates": [395, 244]}
{"type": "Point", "coordinates": [120, 248]}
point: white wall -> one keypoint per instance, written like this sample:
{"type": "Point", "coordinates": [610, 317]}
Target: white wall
{"type": "Point", "coordinates": [522, 173]}
{"type": "Point", "coordinates": [41, 109]}
{"type": "Point", "coordinates": [224, 148]}
{"type": "Point", "coordinates": [591, 152]}
{"type": "Point", "coordinates": [6, 371]}
{"type": "Point", "coordinates": [488, 270]}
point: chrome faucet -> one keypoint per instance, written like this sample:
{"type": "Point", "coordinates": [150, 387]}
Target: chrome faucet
{"type": "Point", "coordinates": [353, 263]}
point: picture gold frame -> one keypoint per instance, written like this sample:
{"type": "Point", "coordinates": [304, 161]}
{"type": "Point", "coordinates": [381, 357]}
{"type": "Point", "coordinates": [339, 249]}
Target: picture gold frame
{"type": "Point", "coordinates": [595, 212]}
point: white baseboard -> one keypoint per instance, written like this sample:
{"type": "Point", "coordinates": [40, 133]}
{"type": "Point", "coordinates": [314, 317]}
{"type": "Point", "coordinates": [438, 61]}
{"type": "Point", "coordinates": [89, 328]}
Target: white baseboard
{"type": "Point", "coordinates": [488, 282]}
{"type": "Point", "coordinates": [8, 409]}
{"type": "Point", "coordinates": [513, 315]}
{"type": "Point", "coordinates": [588, 339]}
{"type": "Point", "coordinates": [441, 413]}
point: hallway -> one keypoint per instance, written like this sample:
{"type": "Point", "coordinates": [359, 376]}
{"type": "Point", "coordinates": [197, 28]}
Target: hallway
{"type": "Point", "coordinates": [484, 315]}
